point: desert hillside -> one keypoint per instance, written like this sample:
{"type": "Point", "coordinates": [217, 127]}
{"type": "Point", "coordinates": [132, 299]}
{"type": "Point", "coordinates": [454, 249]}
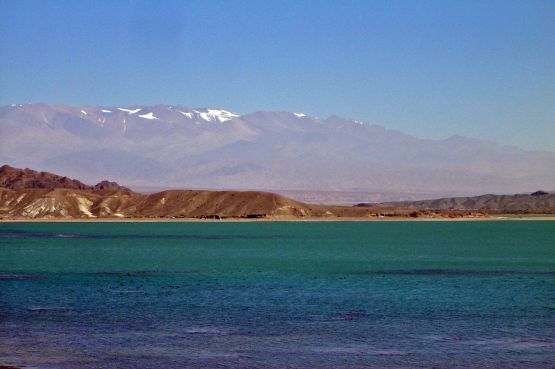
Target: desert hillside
{"type": "Point", "coordinates": [28, 193]}
{"type": "Point", "coordinates": [63, 202]}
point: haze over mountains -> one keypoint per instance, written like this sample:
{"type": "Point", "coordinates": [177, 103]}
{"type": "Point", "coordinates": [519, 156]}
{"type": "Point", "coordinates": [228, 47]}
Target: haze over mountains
{"type": "Point", "coordinates": [177, 146]}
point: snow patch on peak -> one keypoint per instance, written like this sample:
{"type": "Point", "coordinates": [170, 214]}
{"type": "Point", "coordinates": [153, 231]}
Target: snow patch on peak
{"type": "Point", "coordinates": [148, 116]}
{"type": "Point", "coordinates": [130, 111]}
{"type": "Point", "coordinates": [84, 112]}
{"type": "Point", "coordinates": [188, 115]}
{"type": "Point", "coordinates": [106, 111]}
{"type": "Point", "coordinates": [204, 116]}
{"type": "Point", "coordinates": [222, 113]}
{"type": "Point", "coordinates": [211, 115]}
{"type": "Point", "coordinates": [300, 115]}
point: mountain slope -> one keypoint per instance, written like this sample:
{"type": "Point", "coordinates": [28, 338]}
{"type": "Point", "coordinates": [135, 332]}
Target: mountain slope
{"type": "Point", "coordinates": [177, 146]}
{"type": "Point", "coordinates": [72, 203]}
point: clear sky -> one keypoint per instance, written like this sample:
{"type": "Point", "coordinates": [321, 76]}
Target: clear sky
{"type": "Point", "coordinates": [433, 69]}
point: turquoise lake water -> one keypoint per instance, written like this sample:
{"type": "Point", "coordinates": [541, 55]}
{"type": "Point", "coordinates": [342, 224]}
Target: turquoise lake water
{"type": "Point", "coordinates": [275, 295]}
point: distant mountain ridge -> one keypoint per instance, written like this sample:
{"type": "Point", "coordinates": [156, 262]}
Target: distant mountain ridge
{"type": "Point", "coordinates": [539, 201]}
{"type": "Point", "coordinates": [178, 146]}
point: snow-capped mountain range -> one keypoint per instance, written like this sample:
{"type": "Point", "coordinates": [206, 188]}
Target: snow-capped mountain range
{"type": "Point", "coordinates": [177, 146]}
{"type": "Point", "coordinates": [209, 115]}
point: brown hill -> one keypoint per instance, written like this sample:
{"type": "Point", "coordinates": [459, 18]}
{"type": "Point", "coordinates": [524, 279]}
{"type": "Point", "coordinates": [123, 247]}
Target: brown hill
{"type": "Point", "coordinates": [28, 193]}
{"type": "Point", "coordinates": [16, 178]}
{"type": "Point", "coordinates": [71, 203]}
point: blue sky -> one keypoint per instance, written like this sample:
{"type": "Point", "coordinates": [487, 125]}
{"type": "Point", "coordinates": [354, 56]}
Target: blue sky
{"type": "Point", "coordinates": [433, 69]}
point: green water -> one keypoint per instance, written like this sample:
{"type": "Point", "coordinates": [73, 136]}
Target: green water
{"type": "Point", "coordinates": [273, 295]}
{"type": "Point", "coordinates": [317, 248]}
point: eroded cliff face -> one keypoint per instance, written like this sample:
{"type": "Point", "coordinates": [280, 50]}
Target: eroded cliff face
{"type": "Point", "coordinates": [31, 194]}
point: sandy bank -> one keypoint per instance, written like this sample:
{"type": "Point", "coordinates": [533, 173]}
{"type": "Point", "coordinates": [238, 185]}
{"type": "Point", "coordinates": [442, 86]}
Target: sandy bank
{"type": "Point", "coordinates": [275, 219]}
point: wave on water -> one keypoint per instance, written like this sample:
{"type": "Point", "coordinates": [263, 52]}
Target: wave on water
{"type": "Point", "coordinates": [458, 272]}
{"type": "Point", "coordinates": [222, 355]}
{"type": "Point", "coordinates": [143, 273]}
{"type": "Point", "coordinates": [43, 309]}
{"type": "Point", "coordinates": [532, 344]}
{"type": "Point", "coordinates": [127, 292]}
{"type": "Point", "coordinates": [19, 277]}
{"type": "Point", "coordinates": [349, 315]}
{"type": "Point", "coordinates": [35, 234]}
{"type": "Point", "coordinates": [359, 350]}
{"type": "Point", "coordinates": [209, 330]}
{"type": "Point", "coordinates": [64, 235]}
{"type": "Point", "coordinates": [529, 344]}
{"type": "Point", "coordinates": [16, 233]}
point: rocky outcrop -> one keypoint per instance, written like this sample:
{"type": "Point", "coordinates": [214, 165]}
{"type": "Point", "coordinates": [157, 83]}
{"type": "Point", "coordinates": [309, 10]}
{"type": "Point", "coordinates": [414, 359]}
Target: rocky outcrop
{"type": "Point", "coordinates": [109, 186]}
{"type": "Point", "coordinates": [16, 178]}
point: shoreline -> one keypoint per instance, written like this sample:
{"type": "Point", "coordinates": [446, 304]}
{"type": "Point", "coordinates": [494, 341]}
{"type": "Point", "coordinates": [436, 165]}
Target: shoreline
{"type": "Point", "coordinates": [508, 217]}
